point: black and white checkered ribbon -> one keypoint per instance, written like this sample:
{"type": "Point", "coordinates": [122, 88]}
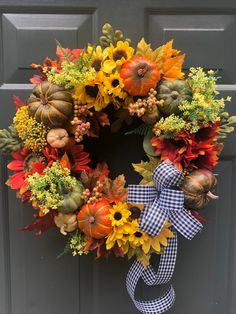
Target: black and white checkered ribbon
{"type": "Point", "coordinates": [162, 201]}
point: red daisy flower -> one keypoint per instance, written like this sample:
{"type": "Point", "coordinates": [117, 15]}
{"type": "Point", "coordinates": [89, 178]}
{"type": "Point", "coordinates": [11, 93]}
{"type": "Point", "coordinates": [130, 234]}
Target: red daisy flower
{"type": "Point", "coordinates": [77, 160]}
{"type": "Point", "coordinates": [187, 150]}
{"type": "Point", "coordinates": [24, 164]}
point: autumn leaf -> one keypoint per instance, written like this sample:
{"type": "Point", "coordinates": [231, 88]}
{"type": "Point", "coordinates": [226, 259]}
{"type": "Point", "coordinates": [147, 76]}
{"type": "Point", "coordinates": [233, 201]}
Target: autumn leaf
{"type": "Point", "coordinates": [168, 60]}
{"type": "Point", "coordinates": [91, 177]}
{"type": "Point", "coordinates": [36, 79]}
{"type": "Point", "coordinates": [102, 118]}
{"type": "Point", "coordinates": [115, 190]}
{"type": "Point", "coordinates": [172, 68]}
{"type": "Point", "coordinates": [66, 54]}
{"type": "Point", "coordinates": [122, 116]}
{"type": "Point", "coordinates": [172, 62]}
{"type": "Point", "coordinates": [157, 56]}
{"type": "Point", "coordinates": [42, 224]}
{"type": "Point", "coordinates": [144, 259]}
{"type": "Point", "coordinates": [18, 102]}
{"type": "Point", "coordinates": [146, 168]}
{"type": "Point", "coordinates": [144, 49]}
{"type": "Point", "coordinates": [169, 52]}
{"type": "Point", "coordinates": [65, 162]}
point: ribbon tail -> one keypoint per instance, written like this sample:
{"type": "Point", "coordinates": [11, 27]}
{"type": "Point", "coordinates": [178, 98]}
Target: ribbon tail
{"type": "Point", "coordinates": [166, 266]}
{"type": "Point", "coordinates": [163, 275]}
{"type": "Point", "coordinates": [185, 223]}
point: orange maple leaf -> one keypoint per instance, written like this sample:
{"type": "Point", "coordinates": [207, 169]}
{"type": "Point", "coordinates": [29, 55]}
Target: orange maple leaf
{"type": "Point", "coordinates": [172, 62]}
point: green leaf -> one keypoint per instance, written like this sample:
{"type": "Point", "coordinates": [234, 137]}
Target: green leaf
{"type": "Point", "coordinates": [67, 250]}
{"type": "Point", "coordinates": [142, 129]}
{"type": "Point", "coordinates": [147, 146]}
{"type": "Point", "coordinates": [9, 139]}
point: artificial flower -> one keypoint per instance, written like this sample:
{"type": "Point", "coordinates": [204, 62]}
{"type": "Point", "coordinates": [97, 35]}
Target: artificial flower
{"type": "Point", "coordinates": [117, 55]}
{"type": "Point", "coordinates": [93, 93]}
{"type": "Point", "coordinates": [119, 214]}
{"type": "Point", "coordinates": [32, 132]}
{"type": "Point", "coordinates": [120, 236]}
{"type": "Point", "coordinates": [114, 85]}
{"type": "Point", "coordinates": [186, 150]}
{"type": "Point", "coordinates": [98, 56]}
{"type": "Point", "coordinates": [77, 159]}
{"type": "Point", "coordinates": [24, 165]}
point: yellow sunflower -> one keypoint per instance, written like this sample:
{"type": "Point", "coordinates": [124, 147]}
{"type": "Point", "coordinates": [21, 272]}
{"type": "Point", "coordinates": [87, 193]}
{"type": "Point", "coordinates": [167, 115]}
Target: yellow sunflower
{"type": "Point", "coordinates": [120, 235]}
{"type": "Point", "coordinates": [117, 55]}
{"type": "Point", "coordinates": [161, 238]}
{"type": "Point", "coordinates": [93, 93]}
{"type": "Point", "coordinates": [98, 57]}
{"type": "Point", "coordinates": [114, 85]}
{"type": "Point", "coordinates": [119, 214]}
{"type": "Point", "coordinates": [140, 238]}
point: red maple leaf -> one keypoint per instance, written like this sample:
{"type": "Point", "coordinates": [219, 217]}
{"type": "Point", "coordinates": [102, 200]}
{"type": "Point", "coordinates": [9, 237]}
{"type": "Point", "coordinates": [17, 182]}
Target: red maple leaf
{"type": "Point", "coordinates": [41, 224]}
{"type": "Point", "coordinates": [18, 102]}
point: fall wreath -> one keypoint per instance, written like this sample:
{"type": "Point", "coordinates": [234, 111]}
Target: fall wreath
{"type": "Point", "coordinates": [180, 116]}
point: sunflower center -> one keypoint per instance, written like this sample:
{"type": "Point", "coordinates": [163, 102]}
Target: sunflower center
{"type": "Point", "coordinates": [138, 234]}
{"type": "Point", "coordinates": [96, 64]}
{"type": "Point", "coordinates": [91, 90]}
{"type": "Point", "coordinates": [119, 54]}
{"type": "Point", "coordinates": [117, 216]}
{"type": "Point", "coordinates": [135, 212]}
{"type": "Point", "coordinates": [115, 83]}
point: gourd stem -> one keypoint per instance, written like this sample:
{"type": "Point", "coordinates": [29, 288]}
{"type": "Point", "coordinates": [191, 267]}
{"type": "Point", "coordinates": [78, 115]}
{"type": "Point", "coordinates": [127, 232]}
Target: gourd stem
{"type": "Point", "coordinates": [62, 230]}
{"type": "Point", "coordinates": [212, 196]}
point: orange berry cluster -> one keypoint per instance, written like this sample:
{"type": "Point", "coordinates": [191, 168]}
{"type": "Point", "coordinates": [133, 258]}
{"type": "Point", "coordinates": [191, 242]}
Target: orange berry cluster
{"type": "Point", "coordinates": [95, 195]}
{"type": "Point", "coordinates": [82, 126]}
{"type": "Point", "coordinates": [146, 108]}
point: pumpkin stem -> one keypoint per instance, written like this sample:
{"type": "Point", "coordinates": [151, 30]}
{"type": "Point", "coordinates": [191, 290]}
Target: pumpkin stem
{"type": "Point", "coordinates": [212, 196]}
{"type": "Point", "coordinates": [143, 70]}
{"type": "Point", "coordinates": [91, 220]}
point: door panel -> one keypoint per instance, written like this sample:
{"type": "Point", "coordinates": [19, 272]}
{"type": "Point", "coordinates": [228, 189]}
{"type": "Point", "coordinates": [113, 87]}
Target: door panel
{"type": "Point", "coordinates": [32, 280]}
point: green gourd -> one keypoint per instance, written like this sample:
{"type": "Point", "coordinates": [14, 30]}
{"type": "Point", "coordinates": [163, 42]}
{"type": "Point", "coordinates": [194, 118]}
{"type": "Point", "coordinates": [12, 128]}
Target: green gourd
{"type": "Point", "coordinates": [173, 93]}
{"type": "Point", "coordinates": [72, 199]}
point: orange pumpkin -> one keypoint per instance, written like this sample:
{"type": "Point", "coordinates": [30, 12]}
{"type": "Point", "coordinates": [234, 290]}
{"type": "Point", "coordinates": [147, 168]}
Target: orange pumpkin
{"type": "Point", "coordinates": [50, 104]}
{"type": "Point", "coordinates": [139, 75]}
{"type": "Point", "coordinates": [93, 219]}
{"type": "Point", "coordinates": [57, 138]}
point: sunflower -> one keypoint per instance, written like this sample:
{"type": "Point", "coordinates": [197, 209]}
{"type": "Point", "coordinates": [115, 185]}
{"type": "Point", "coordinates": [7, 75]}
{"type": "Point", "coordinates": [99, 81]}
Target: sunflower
{"type": "Point", "coordinates": [98, 56]}
{"type": "Point", "coordinates": [161, 238]}
{"type": "Point", "coordinates": [139, 238]}
{"type": "Point", "coordinates": [120, 236]}
{"type": "Point", "coordinates": [117, 55]}
{"type": "Point", "coordinates": [93, 93]}
{"type": "Point", "coordinates": [114, 85]}
{"type": "Point", "coordinates": [142, 239]}
{"type": "Point", "coordinates": [119, 214]}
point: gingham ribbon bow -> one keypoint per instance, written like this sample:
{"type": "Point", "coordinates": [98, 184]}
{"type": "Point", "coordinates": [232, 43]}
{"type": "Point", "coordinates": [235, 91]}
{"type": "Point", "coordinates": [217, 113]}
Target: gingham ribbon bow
{"type": "Point", "coordinates": [162, 201]}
